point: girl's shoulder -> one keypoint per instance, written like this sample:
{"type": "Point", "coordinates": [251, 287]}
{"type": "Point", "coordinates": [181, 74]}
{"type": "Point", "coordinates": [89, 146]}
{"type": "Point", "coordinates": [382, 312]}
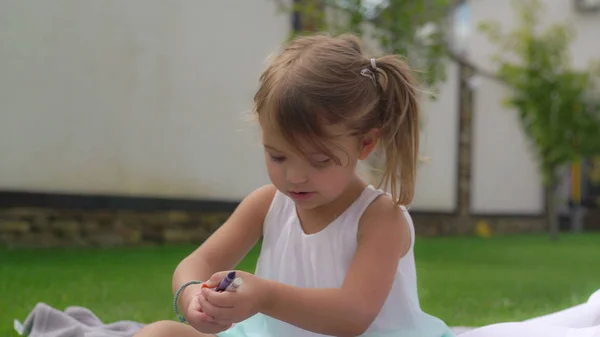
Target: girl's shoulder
{"type": "Point", "coordinates": [261, 197]}
{"type": "Point", "coordinates": [387, 222]}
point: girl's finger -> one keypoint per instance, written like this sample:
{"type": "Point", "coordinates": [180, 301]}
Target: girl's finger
{"type": "Point", "coordinates": [206, 317]}
{"type": "Point", "coordinates": [212, 310]}
{"type": "Point", "coordinates": [224, 299]}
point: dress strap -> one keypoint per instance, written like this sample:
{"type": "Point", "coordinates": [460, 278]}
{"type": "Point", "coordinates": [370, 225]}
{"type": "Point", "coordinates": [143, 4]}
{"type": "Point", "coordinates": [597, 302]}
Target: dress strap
{"type": "Point", "coordinates": [365, 199]}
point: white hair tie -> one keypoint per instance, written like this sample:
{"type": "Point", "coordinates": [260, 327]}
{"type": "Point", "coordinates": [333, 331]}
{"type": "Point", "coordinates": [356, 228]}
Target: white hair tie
{"type": "Point", "coordinates": [369, 71]}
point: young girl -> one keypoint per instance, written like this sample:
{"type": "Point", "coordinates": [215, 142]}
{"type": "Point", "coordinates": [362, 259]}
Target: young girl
{"type": "Point", "coordinates": [337, 254]}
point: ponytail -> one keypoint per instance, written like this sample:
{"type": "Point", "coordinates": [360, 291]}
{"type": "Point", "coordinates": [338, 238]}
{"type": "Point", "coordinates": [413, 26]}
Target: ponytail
{"type": "Point", "coordinates": [399, 118]}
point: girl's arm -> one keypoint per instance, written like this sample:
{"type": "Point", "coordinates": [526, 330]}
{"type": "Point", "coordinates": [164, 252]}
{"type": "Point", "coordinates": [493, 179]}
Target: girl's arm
{"type": "Point", "coordinates": [227, 246]}
{"type": "Point", "coordinates": [383, 238]}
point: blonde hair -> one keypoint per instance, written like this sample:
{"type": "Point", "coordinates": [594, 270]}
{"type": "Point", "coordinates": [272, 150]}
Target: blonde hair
{"type": "Point", "coordinates": [325, 79]}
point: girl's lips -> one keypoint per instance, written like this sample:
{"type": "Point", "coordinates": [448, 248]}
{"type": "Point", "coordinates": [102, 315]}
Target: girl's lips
{"type": "Point", "coordinates": [301, 195]}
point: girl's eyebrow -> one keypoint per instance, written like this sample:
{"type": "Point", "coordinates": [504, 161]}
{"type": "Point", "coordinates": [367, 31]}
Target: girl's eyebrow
{"type": "Point", "coordinates": [271, 147]}
{"type": "Point", "coordinates": [315, 153]}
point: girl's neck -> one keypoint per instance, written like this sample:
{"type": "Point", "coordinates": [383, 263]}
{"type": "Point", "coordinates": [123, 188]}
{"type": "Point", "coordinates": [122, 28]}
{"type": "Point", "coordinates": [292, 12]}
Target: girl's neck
{"type": "Point", "coordinates": [315, 220]}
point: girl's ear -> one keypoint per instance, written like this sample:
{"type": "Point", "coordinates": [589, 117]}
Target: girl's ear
{"type": "Point", "coordinates": [368, 142]}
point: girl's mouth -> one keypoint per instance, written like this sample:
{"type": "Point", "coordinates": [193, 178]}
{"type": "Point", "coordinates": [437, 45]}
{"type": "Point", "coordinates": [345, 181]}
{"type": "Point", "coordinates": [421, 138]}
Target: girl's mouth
{"type": "Point", "coordinates": [301, 195]}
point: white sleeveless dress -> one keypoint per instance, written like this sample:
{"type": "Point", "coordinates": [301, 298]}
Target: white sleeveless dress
{"type": "Point", "coordinates": [290, 256]}
{"type": "Point", "coordinates": [321, 260]}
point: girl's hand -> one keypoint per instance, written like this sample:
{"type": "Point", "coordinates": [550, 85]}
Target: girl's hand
{"type": "Point", "coordinates": [199, 320]}
{"type": "Point", "coordinates": [234, 306]}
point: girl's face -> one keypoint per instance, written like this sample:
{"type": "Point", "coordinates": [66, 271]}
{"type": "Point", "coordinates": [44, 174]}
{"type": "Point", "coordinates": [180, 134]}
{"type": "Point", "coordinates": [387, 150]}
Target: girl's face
{"type": "Point", "coordinates": [314, 181]}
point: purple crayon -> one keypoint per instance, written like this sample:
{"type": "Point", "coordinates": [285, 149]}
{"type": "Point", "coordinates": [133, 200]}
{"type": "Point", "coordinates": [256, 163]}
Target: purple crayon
{"type": "Point", "coordinates": [226, 281]}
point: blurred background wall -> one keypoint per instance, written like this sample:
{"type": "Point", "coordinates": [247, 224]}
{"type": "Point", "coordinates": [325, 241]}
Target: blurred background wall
{"type": "Point", "coordinates": [149, 99]}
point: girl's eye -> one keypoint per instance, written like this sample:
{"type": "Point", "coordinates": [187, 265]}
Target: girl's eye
{"type": "Point", "coordinates": [321, 162]}
{"type": "Point", "coordinates": [277, 158]}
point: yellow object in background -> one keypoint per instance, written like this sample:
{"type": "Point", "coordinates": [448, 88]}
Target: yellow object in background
{"type": "Point", "coordinates": [482, 229]}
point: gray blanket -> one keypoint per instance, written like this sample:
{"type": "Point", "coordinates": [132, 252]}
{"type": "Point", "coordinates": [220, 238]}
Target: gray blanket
{"type": "Point", "coordinates": [45, 321]}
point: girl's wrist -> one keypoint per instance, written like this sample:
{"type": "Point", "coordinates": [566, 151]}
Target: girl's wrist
{"type": "Point", "coordinates": [187, 295]}
{"type": "Point", "coordinates": [268, 291]}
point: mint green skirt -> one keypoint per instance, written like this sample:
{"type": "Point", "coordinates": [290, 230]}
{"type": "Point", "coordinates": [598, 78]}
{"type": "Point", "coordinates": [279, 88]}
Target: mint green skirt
{"type": "Point", "coordinates": [261, 325]}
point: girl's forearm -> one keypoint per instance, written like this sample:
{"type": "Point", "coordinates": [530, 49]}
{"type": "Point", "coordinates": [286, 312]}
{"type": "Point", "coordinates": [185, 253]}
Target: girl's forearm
{"type": "Point", "coordinates": [329, 311]}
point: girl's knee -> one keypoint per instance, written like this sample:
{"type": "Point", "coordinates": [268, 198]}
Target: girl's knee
{"type": "Point", "coordinates": [167, 329]}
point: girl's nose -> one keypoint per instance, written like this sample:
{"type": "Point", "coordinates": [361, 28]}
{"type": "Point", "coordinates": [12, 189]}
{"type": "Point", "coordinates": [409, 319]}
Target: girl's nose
{"type": "Point", "coordinates": [296, 175]}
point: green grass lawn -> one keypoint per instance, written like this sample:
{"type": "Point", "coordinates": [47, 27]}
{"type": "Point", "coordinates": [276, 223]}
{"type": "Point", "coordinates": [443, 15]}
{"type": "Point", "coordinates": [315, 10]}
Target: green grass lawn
{"type": "Point", "coordinates": [464, 281]}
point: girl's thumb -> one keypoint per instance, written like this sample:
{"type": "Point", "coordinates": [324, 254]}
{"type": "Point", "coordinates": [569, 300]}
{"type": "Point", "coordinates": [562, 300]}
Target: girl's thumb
{"type": "Point", "coordinates": [216, 278]}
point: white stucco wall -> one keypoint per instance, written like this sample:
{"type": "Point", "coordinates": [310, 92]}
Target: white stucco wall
{"type": "Point", "coordinates": [140, 97]}
{"type": "Point", "coordinates": [147, 97]}
{"type": "Point", "coordinates": [437, 177]}
{"type": "Point", "coordinates": [505, 178]}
